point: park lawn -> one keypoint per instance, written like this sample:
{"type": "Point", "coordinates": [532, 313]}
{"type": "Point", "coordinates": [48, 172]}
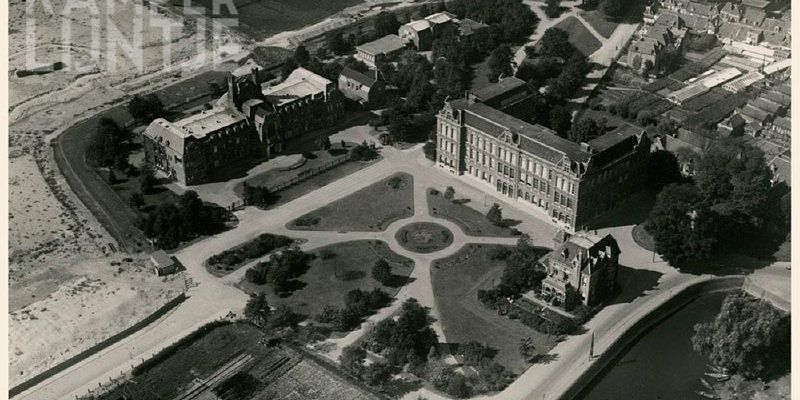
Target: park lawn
{"type": "Point", "coordinates": [456, 281]}
{"type": "Point", "coordinates": [337, 269]}
{"type": "Point", "coordinates": [195, 358]}
{"type": "Point", "coordinates": [470, 220]}
{"type": "Point", "coordinates": [370, 209]}
{"type": "Point", "coordinates": [579, 36]}
{"type": "Point", "coordinates": [597, 19]}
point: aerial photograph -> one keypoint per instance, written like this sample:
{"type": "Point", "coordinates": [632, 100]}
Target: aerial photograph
{"type": "Point", "coordinates": [399, 199]}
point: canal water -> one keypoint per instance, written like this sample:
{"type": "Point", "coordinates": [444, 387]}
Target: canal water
{"type": "Point", "coordinates": [662, 363]}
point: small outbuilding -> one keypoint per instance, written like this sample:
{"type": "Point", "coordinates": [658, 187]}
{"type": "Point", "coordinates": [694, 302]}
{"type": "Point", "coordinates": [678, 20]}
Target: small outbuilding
{"type": "Point", "coordinates": [163, 264]}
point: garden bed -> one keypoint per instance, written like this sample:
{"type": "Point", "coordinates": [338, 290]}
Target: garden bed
{"type": "Point", "coordinates": [424, 237]}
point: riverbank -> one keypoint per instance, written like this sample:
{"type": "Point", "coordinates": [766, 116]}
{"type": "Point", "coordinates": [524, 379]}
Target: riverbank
{"type": "Point", "coordinates": [583, 384]}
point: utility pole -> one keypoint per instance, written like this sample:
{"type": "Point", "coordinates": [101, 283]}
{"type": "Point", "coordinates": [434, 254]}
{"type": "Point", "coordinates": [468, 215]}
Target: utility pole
{"type": "Point", "coordinates": [591, 347]}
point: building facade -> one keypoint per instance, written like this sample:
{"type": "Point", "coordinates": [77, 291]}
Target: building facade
{"type": "Point", "coordinates": [381, 50]}
{"type": "Point", "coordinates": [368, 89]}
{"type": "Point", "coordinates": [253, 119]}
{"type": "Point", "coordinates": [572, 184]}
{"type": "Point", "coordinates": [584, 262]}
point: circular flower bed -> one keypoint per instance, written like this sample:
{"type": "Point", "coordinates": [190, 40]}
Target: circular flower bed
{"type": "Point", "coordinates": [424, 237]}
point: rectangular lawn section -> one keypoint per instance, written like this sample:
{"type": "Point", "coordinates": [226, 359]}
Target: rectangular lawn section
{"type": "Point", "coordinates": [597, 19]}
{"type": "Point", "coordinates": [470, 220]}
{"type": "Point", "coordinates": [337, 269]}
{"type": "Point", "coordinates": [579, 36]}
{"type": "Point", "coordinates": [456, 281]}
{"type": "Point", "coordinates": [367, 210]}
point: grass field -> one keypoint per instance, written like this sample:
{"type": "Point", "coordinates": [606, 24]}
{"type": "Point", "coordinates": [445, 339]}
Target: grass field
{"type": "Point", "coordinates": [337, 269]}
{"type": "Point", "coordinates": [370, 209]}
{"type": "Point", "coordinates": [579, 36]}
{"type": "Point", "coordinates": [597, 19]}
{"type": "Point", "coordinates": [470, 220]}
{"type": "Point", "coordinates": [455, 281]}
{"type": "Point", "coordinates": [263, 18]}
{"type": "Point", "coordinates": [111, 210]}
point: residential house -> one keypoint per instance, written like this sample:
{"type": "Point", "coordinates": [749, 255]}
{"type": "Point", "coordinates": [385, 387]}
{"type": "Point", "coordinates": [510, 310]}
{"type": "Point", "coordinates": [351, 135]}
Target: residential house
{"type": "Point", "coordinates": [584, 262]}
{"type": "Point", "coordinates": [162, 263]}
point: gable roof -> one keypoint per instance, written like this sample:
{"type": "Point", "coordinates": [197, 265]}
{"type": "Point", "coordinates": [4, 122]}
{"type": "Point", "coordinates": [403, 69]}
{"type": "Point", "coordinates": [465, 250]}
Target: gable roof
{"type": "Point", "coordinates": [359, 77]}
{"type": "Point", "coordinates": [385, 45]}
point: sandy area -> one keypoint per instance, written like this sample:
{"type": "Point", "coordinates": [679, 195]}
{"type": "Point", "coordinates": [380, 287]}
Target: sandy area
{"type": "Point", "coordinates": [83, 311]}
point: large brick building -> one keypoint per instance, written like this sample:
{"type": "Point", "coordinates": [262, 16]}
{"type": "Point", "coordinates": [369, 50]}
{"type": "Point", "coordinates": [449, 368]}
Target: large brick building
{"type": "Point", "coordinates": [584, 262]}
{"type": "Point", "coordinates": [571, 183]}
{"type": "Point", "coordinates": [252, 119]}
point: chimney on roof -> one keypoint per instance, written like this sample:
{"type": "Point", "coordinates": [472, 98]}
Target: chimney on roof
{"type": "Point", "coordinates": [254, 75]}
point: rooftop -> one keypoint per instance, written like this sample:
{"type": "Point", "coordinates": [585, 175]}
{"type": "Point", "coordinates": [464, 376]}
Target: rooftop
{"type": "Point", "coordinates": [756, 3]}
{"type": "Point", "coordinates": [161, 259]}
{"type": "Point", "coordinates": [614, 137]}
{"type": "Point", "coordinates": [467, 26]}
{"type": "Point", "coordinates": [300, 83]}
{"type": "Point", "coordinates": [440, 18]}
{"type": "Point", "coordinates": [360, 77]}
{"type": "Point", "coordinates": [208, 121]}
{"type": "Point", "coordinates": [384, 45]}
{"type": "Point", "coordinates": [419, 25]}
{"type": "Point", "coordinates": [494, 90]}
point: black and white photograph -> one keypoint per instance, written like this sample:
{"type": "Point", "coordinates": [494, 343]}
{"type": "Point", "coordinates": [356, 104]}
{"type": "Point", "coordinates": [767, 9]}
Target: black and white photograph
{"type": "Point", "coordinates": [398, 199]}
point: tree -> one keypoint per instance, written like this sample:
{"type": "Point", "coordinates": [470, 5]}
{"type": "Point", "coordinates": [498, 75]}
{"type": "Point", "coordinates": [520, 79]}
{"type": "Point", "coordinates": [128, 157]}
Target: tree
{"type": "Point", "coordinates": [477, 354]}
{"type": "Point", "coordinates": [527, 349]}
{"type": "Point", "coordinates": [572, 298]}
{"type": "Point", "coordinates": [614, 9]}
{"type": "Point", "coordinates": [552, 8]}
{"type": "Point", "coordinates": [191, 211]}
{"type": "Point", "coordinates": [352, 360]}
{"type": "Point", "coordinates": [495, 214]}
{"type": "Point", "coordinates": [284, 317]}
{"type": "Point", "coordinates": [324, 142]}
{"type": "Point", "coordinates": [257, 310]}
{"type": "Point", "coordinates": [363, 152]}
{"type": "Point", "coordinates": [585, 130]}
{"type": "Point", "coordinates": [430, 150]}
{"type": "Point", "coordinates": [382, 272]}
{"type": "Point", "coordinates": [555, 43]}
{"type": "Point", "coordinates": [747, 337]}
{"type": "Point", "coordinates": [683, 229]}
{"type": "Point", "coordinates": [662, 170]}
{"type": "Point", "coordinates": [259, 196]}
{"type": "Point", "coordinates": [106, 147]}
{"type": "Point", "coordinates": [500, 63]}
{"type": "Point", "coordinates": [646, 118]}
{"type": "Point", "coordinates": [337, 44]}
{"type": "Point", "coordinates": [385, 23]}
{"type": "Point", "coordinates": [449, 193]}
{"type": "Point", "coordinates": [301, 55]}
{"type": "Point", "coordinates": [148, 181]}
{"type": "Point", "coordinates": [457, 386]}
{"type": "Point", "coordinates": [136, 200]}
{"type": "Point", "coordinates": [146, 108]}
{"type": "Point", "coordinates": [377, 373]}
{"type": "Point", "coordinates": [560, 120]}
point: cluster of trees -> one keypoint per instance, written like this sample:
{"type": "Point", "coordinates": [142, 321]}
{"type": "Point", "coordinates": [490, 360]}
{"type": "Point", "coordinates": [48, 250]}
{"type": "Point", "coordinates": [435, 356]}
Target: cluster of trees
{"type": "Point", "coordinates": [145, 108]}
{"type": "Point", "coordinates": [169, 224]}
{"type": "Point", "coordinates": [259, 196]}
{"type": "Point", "coordinates": [261, 245]}
{"type": "Point", "coordinates": [282, 270]}
{"type": "Point", "coordinates": [363, 152]}
{"type": "Point", "coordinates": [552, 8]}
{"type": "Point", "coordinates": [748, 337]}
{"type": "Point", "coordinates": [491, 375]}
{"type": "Point", "coordinates": [259, 313]}
{"type": "Point", "coordinates": [423, 86]}
{"type": "Point", "coordinates": [559, 67]}
{"type": "Point", "coordinates": [357, 305]}
{"type": "Point", "coordinates": [731, 192]}
{"type": "Point", "coordinates": [521, 273]}
{"type": "Point", "coordinates": [407, 340]}
{"type": "Point", "coordinates": [382, 272]}
{"type": "Point", "coordinates": [109, 146]}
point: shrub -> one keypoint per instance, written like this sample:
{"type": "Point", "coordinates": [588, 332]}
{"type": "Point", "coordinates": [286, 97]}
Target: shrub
{"type": "Point", "coordinates": [449, 193]}
{"type": "Point", "coordinates": [495, 215]}
{"type": "Point", "coordinates": [307, 220]}
{"type": "Point", "coordinates": [394, 182]}
{"type": "Point", "coordinates": [309, 155]}
{"type": "Point", "coordinates": [257, 247]}
{"type": "Point", "coordinates": [382, 272]}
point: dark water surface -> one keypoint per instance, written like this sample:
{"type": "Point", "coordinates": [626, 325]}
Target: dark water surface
{"type": "Point", "coordinates": [661, 364]}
